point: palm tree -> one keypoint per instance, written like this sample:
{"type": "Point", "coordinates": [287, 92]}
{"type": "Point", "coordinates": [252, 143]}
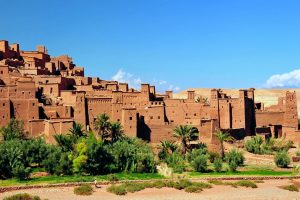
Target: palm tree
{"type": "Point", "coordinates": [185, 134]}
{"type": "Point", "coordinates": [102, 125]}
{"type": "Point", "coordinates": [223, 137]}
{"type": "Point", "coordinates": [116, 131]}
{"type": "Point", "coordinates": [77, 131]}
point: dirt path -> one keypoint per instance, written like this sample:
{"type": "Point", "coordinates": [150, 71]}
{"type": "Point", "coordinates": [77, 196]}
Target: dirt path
{"type": "Point", "coordinates": [266, 191]}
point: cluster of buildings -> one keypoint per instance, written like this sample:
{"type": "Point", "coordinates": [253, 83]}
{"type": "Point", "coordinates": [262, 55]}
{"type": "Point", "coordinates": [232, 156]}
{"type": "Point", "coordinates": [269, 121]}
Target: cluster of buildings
{"type": "Point", "coordinates": [50, 94]}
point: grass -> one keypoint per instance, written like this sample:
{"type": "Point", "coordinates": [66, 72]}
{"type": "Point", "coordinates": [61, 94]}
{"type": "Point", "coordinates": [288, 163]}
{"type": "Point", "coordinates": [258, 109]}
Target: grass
{"type": "Point", "coordinates": [182, 184]}
{"type": "Point", "coordinates": [292, 188]}
{"type": "Point", "coordinates": [263, 172]}
{"type": "Point", "coordinates": [80, 178]}
{"type": "Point", "coordinates": [23, 196]}
{"type": "Point", "coordinates": [242, 183]}
{"type": "Point", "coordinates": [83, 190]}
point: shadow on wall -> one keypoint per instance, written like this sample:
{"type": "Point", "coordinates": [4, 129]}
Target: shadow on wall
{"type": "Point", "coordinates": [144, 132]}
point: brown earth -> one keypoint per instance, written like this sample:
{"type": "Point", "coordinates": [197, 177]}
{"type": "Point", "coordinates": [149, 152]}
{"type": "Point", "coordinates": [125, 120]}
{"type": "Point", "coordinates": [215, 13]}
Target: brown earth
{"type": "Point", "coordinates": [269, 190]}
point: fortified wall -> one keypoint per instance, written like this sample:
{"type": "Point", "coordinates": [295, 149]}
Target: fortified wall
{"type": "Point", "coordinates": [51, 93]}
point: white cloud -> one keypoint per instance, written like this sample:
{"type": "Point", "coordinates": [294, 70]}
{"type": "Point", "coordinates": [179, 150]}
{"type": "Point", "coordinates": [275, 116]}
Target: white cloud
{"type": "Point", "coordinates": [135, 81]}
{"type": "Point", "coordinates": [290, 79]}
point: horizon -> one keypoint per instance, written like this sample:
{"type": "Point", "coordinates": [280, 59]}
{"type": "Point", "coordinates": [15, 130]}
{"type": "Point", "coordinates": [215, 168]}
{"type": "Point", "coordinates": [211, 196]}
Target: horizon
{"type": "Point", "coordinates": [171, 44]}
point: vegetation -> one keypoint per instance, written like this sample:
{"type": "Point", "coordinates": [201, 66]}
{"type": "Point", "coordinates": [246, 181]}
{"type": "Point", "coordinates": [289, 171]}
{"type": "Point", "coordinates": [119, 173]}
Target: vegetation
{"type": "Point", "coordinates": [23, 196]}
{"type": "Point", "coordinates": [257, 145]}
{"type": "Point", "coordinates": [234, 159]}
{"type": "Point", "coordinates": [185, 134]}
{"type": "Point", "coordinates": [292, 188]}
{"type": "Point", "coordinates": [223, 137]}
{"type": "Point", "coordinates": [282, 159]}
{"type": "Point", "coordinates": [218, 164]}
{"type": "Point", "coordinates": [77, 152]}
{"type": "Point", "coordinates": [181, 184]}
{"type": "Point", "coordinates": [83, 190]}
{"type": "Point", "coordinates": [242, 183]}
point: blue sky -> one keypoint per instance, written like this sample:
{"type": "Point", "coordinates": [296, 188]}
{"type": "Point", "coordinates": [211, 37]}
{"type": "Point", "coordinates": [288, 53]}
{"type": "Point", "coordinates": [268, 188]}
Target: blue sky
{"type": "Point", "coordinates": [173, 44]}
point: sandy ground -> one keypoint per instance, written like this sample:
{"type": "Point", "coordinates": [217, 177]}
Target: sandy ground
{"type": "Point", "coordinates": [266, 191]}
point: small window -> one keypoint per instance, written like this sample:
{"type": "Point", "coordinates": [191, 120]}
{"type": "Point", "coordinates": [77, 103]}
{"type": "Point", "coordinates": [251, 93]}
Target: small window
{"type": "Point", "coordinates": [195, 114]}
{"type": "Point", "coordinates": [1, 72]}
{"type": "Point", "coordinates": [158, 117]}
{"type": "Point", "coordinates": [3, 104]}
{"type": "Point", "coordinates": [33, 104]}
{"type": "Point", "coordinates": [151, 117]}
{"type": "Point", "coordinates": [130, 118]}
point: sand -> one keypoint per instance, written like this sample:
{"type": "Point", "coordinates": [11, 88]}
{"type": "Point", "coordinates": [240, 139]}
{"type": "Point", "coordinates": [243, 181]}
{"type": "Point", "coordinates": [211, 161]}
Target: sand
{"type": "Point", "coordinates": [266, 191]}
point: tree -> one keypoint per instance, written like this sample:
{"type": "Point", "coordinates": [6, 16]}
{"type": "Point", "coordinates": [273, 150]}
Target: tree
{"type": "Point", "coordinates": [166, 148]}
{"type": "Point", "coordinates": [116, 131]}
{"type": "Point", "coordinates": [66, 142]}
{"type": "Point", "coordinates": [185, 134]}
{"type": "Point", "coordinates": [223, 137]}
{"type": "Point", "coordinates": [102, 125]}
{"type": "Point", "coordinates": [77, 131]}
{"type": "Point", "coordinates": [14, 130]}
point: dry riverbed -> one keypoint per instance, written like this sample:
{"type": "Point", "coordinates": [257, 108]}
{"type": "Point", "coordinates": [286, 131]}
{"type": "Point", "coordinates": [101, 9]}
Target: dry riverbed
{"type": "Point", "coordinates": [269, 190]}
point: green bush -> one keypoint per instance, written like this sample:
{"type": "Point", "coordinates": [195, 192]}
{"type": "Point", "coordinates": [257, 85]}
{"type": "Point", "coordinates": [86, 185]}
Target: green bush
{"type": "Point", "coordinates": [298, 153]}
{"type": "Point", "coordinates": [83, 190]}
{"type": "Point", "coordinates": [176, 162]}
{"type": "Point", "coordinates": [213, 156]}
{"type": "Point", "coordinates": [234, 158]}
{"type": "Point", "coordinates": [292, 188]}
{"type": "Point", "coordinates": [254, 145]}
{"type": "Point", "coordinates": [112, 178]}
{"type": "Point", "coordinates": [21, 172]}
{"type": "Point", "coordinates": [199, 163]}
{"type": "Point", "coordinates": [218, 164]}
{"type": "Point", "coordinates": [117, 189]}
{"type": "Point", "coordinates": [23, 196]}
{"type": "Point", "coordinates": [245, 183]}
{"type": "Point", "coordinates": [193, 189]}
{"type": "Point", "coordinates": [282, 159]}
{"type": "Point", "coordinates": [135, 187]}
{"type": "Point", "coordinates": [181, 184]}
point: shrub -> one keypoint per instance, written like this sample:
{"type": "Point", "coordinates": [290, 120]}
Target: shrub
{"type": "Point", "coordinates": [176, 162]}
{"type": "Point", "coordinates": [218, 164]}
{"type": "Point", "coordinates": [112, 177]}
{"type": "Point", "coordinates": [117, 189]}
{"type": "Point", "coordinates": [213, 156]}
{"type": "Point", "coordinates": [298, 153]}
{"type": "Point", "coordinates": [21, 172]}
{"type": "Point", "coordinates": [234, 159]}
{"type": "Point", "coordinates": [254, 145]}
{"type": "Point", "coordinates": [292, 188]}
{"type": "Point", "coordinates": [135, 187]}
{"type": "Point", "coordinates": [164, 170]}
{"type": "Point", "coordinates": [23, 196]}
{"type": "Point", "coordinates": [83, 190]}
{"type": "Point", "coordinates": [282, 159]}
{"type": "Point", "coordinates": [199, 163]}
{"type": "Point", "coordinates": [245, 183]}
{"type": "Point", "coordinates": [193, 189]}
{"type": "Point", "coordinates": [181, 184]}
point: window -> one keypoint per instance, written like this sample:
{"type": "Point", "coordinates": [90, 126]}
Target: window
{"type": "Point", "coordinates": [1, 72]}
{"type": "Point", "coordinates": [130, 118]}
{"type": "Point", "coordinates": [195, 114]}
{"type": "Point", "coordinates": [33, 104]}
{"type": "Point", "coordinates": [151, 117]}
{"type": "Point", "coordinates": [3, 104]}
{"type": "Point", "coordinates": [158, 117]}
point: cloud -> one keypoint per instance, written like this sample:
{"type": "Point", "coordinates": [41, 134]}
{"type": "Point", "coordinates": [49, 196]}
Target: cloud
{"type": "Point", "coordinates": [125, 77]}
{"type": "Point", "coordinates": [135, 81]}
{"type": "Point", "coordinates": [285, 80]}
